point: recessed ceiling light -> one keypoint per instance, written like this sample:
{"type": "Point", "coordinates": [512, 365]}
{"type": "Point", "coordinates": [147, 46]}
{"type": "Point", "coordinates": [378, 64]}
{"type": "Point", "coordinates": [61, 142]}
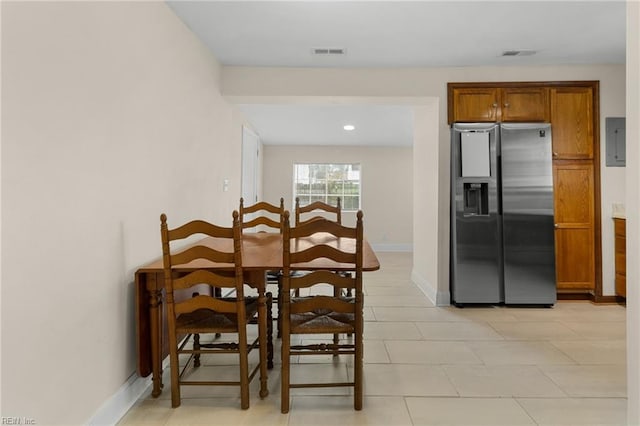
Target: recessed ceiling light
{"type": "Point", "coordinates": [349, 127]}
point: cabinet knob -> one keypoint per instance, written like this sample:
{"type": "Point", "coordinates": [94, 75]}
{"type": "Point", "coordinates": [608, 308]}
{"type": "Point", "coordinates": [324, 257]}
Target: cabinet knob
{"type": "Point", "coordinates": [506, 105]}
{"type": "Point", "coordinates": [555, 225]}
{"type": "Point", "coordinates": [494, 105]}
{"type": "Point", "coordinates": [555, 154]}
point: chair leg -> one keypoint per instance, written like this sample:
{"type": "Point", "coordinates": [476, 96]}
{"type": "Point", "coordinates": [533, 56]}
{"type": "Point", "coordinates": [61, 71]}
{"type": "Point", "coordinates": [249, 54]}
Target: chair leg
{"type": "Point", "coordinates": [196, 347]}
{"type": "Point", "coordinates": [244, 368]}
{"type": "Point", "coordinates": [279, 296]}
{"type": "Point", "coordinates": [285, 374]}
{"type": "Point", "coordinates": [358, 368]}
{"type": "Point", "coordinates": [175, 377]}
{"type": "Point", "coordinates": [337, 292]}
{"type": "Point", "coordinates": [263, 345]}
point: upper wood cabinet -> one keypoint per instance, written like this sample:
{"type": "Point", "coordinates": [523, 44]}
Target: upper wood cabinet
{"type": "Point", "coordinates": [525, 104]}
{"type": "Point", "coordinates": [475, 104]}
{"type": "Point", "coordinates": [572, 122]}
{"type": "Point", "coordinates": [479, 104]}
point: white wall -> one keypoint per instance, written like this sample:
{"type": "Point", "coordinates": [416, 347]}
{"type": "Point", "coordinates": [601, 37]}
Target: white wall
{"type": "Point", "coordinates": [111, 115]}
{"type": "Point", "coordinates": [633, 212]}
{"type": "Point", "coordinates": [255, 85]}
{"type": "Point", "coordinates": [387, 186]}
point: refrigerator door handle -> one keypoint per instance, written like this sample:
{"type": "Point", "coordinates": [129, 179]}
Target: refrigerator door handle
{"type": "Point", "coordinates": [499, 194]}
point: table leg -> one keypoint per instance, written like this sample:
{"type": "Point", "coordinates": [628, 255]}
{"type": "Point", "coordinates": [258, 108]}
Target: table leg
{"type": "Point", "coordinates": [155, 317]}
{"type": "Point", "coordinates": [269, 331]}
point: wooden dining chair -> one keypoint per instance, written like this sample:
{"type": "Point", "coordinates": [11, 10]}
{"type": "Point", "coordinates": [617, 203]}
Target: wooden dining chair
{"type": "Point", "coordinates": [317, 313]}
{"type": "Point", "coordinates": [262, 215]}
{"type": "Point", "coordinates": [319, 210]}
{"type": "Point", "coordinates": [193, 311]}
{"type": "Point", "coordinates": [265, 217]}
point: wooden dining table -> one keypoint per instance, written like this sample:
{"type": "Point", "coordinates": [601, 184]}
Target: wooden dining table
{"type": "Point", "coordinates": [261, 252]}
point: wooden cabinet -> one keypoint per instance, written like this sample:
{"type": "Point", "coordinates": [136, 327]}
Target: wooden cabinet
{"type": "Point", "coordinates": [574, 222]}
{"type": "Point", "coordinates": [476, 104]}
{"type": "Point", "coordinates": [525, 104]}
{"type": "Point", "coordinates": [487, 104]}
{"type": "Point", "coordinates": [572, 120]}
{"type": "Point", "coordinates": [620, 238]}
{"type": "Point", "coordinates": [576, 193]}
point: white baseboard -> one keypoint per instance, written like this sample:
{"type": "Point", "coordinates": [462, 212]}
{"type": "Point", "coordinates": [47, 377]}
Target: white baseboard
{"type": "Point", "coordinates": [438, 298]}
{"type": "Point", "coordinates": [423, 284]}
{"type": "Point", "coordinates": [117, 406]}
{"type": "Point", "coordinates": [392, 247]}
{"type": "Point", "coordinates": [443, 298]}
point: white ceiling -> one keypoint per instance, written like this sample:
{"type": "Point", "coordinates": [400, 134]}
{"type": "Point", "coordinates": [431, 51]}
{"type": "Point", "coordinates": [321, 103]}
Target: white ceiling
{"type": "Point", "coordinates": [378, 125]}
{"type": "Point", "coordinates": [394, 34]}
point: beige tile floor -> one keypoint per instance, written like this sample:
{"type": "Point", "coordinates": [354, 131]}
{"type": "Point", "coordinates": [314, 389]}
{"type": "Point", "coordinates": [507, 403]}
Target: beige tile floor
{"type": "Point", "coordinates": [427, 365]}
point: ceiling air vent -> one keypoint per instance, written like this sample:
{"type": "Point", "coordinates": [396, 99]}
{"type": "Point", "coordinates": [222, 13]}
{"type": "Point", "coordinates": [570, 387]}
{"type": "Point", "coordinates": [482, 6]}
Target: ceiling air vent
{"type": "Point", "coordinates": [518, 52]}
{"type": "Point", "coordinates": [324, 51]}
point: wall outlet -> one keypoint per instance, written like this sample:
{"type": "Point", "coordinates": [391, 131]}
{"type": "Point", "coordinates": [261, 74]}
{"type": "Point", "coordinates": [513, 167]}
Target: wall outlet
{"type": "Point", "coordinates": [618, 209]}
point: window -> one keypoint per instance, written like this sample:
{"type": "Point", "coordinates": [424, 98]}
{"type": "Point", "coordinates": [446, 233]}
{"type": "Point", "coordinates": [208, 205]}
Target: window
{"type": "Point", "coordinates": [327, 182]}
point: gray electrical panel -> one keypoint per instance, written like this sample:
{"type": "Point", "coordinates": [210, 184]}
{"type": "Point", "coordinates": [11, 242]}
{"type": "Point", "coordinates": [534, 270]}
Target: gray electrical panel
{"type": "Point", "coordinates": [615, 142]}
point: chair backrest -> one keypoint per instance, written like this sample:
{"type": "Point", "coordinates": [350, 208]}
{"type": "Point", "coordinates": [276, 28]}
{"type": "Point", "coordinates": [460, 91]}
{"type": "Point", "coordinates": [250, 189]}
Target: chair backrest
{"type": "Point", "coordinates": [317, 207]}
{"type": "Point", "coordinates": [202, 255]}
{"type": "Point", "coordinates": [261, 214]}
{"type": "Point", "coordinates": [343, 246]}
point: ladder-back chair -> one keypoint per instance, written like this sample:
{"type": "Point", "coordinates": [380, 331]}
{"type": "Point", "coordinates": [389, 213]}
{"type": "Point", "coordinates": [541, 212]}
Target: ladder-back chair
{"type": "Point", "coordinates": [262, 214]}
{"type": "Point", "coordinates": [317, 313]}
{"type": "Point", "coordinates": [203, 314]}
{"type": "Point", "coordinates": [302, 213]}
{"type": "Point", "coordinates": [264, 217]}
{"type": "Point", "coordinates": [319, 210]}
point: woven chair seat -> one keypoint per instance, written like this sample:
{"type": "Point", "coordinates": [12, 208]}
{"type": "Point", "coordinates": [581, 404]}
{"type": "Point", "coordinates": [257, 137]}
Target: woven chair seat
{"type": "Point", "coordinates": [208, 321]}
{"type": "Point", "coordinates": [321, 321]}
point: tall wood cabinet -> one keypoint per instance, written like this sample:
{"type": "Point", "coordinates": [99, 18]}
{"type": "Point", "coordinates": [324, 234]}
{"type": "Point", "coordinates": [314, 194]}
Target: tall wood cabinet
{"type": "Point", "coordinates": [572, 108]}
{"type": "Point", "coordinates": [574, 221]}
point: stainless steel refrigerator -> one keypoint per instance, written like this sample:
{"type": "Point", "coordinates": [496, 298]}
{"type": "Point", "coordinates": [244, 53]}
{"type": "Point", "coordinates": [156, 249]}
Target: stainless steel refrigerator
{"type": "Point", "coordinates": [502, 228]}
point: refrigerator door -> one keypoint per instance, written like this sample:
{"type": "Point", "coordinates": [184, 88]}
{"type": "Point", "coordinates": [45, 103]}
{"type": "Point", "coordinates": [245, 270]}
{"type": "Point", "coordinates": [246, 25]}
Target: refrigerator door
{"type": "Point", "coordinates": [475, 222]}
{"type": "Point", "coordinates": [527, 214]}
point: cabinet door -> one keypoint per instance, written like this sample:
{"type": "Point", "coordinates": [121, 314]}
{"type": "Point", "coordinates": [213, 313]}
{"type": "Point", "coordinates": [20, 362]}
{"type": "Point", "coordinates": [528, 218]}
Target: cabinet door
{"type": "Point", "coordinates": [525, 104]}
{"type": "Point", "coordinates": [620, 257]}
{"type": "Point", "coordinates": [572, 122]}
{"type": "Point", "coordinates": [475, 104]}
{"type": "Point", "coordinates": [574, 221]}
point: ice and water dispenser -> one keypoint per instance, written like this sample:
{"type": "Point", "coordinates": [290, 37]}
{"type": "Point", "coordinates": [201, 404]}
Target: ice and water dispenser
{"type": "Point", "coordinates": [475, 163]}
{"type": "Point", "coordinates": [476, 199]}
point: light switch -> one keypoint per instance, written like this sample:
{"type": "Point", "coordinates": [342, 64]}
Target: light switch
{"type": "Point", "coordinates": [225, 185]}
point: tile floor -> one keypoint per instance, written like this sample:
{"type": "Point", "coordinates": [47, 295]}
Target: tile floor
{"type": "Point", "coordinates": [427, 365]}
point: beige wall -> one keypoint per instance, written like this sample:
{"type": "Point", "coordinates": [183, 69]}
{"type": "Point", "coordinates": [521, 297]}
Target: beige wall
{"type": "Point", "coordinates": [111, 115]}
{"type": "Point", "coordinates": [256, 85]}
{"type": "Point", "coordinates": [100, 102]}
{"type": "Point", "coordinates": [633, 212]}
{"type": "Point", "coordinates": [387, 186]}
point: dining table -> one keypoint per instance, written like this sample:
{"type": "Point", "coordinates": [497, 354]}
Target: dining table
{"type": "Point", "coordinates": [260, 251]}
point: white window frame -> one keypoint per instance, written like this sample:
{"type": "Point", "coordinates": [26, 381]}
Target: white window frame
{"type": "Point", "coordinates": [306, 198]}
